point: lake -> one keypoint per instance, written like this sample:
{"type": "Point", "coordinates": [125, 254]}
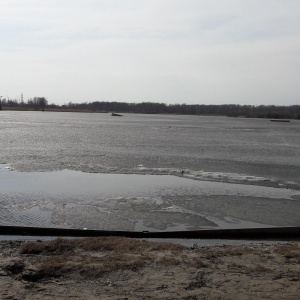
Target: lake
{"type": "Point", "coordinates": [85, 170]}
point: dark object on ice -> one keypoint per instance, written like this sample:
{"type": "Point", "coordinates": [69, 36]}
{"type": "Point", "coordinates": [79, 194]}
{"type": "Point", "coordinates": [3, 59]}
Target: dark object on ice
{"type": "Point", "coordinates": [182, 172]}
{"type": "Point", "coordinates": [116, 115]}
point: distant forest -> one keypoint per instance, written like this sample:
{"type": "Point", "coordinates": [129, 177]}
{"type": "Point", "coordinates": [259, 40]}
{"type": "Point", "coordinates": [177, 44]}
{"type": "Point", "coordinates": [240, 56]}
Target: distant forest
{"type": "Point", "coordinates": [230, 110]}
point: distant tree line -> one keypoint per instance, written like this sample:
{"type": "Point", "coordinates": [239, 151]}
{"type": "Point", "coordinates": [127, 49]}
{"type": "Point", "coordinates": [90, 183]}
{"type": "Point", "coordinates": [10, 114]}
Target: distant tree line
{"type": "Point", "coordinates": [32, 103]}
{"type": "Point", "coordinates": [231, 110]}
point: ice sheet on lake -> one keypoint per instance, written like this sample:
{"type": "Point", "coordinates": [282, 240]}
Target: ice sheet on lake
{"type": "Point", "coordinates": [132, 201]}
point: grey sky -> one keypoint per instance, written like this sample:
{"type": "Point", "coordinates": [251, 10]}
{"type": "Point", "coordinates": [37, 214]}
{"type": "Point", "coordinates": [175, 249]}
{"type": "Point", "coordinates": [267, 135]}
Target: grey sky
{"type": "Point", "coordinates": [172, 51]}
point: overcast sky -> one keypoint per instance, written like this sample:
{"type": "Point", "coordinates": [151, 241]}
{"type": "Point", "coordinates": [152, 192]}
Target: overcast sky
{"type": "Point", "coordinates": [171, 51]}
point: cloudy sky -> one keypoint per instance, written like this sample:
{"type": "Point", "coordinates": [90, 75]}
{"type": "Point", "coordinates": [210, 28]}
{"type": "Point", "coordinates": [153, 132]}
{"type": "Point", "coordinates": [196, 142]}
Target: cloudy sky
{"type": "Point", "coordinates": [171, 51]}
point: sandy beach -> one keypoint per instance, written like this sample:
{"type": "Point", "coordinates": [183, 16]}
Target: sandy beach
{"type": "Point", "coordinates": [122, 268]}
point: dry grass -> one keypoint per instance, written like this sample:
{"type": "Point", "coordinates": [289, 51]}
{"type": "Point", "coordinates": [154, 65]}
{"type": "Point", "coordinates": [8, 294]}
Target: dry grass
{"type": "Point", "coordinates": [85, 265]}
{"type": "Point", "coordinates": [60, 246]}
{"type": "Point", "coordinates": [215, 253]}
{"type": "Point", "coordinates": [92, 257]}
{"type": "Point", "coordinates": [255, 267]}
{"type": "Point", "coordinates": [239, 251]}
{"type": "Point", "coordinates": [289, 251]}
{"type": "Point", "coordinates": [115, 268]}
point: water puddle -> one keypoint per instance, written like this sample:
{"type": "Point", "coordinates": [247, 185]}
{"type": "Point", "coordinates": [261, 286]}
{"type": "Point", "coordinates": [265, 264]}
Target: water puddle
{"type": "Point", "coordinates": [75, 199]}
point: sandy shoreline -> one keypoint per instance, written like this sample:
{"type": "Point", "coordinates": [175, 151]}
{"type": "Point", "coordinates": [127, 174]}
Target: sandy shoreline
{"type": "Point", "coordinates": [122, 268]}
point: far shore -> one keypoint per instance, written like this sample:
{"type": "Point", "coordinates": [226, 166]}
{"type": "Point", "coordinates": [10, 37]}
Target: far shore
{"type": "Point", "coordinates": [6, 108]}
{"type": "Point", "coordinates": [80, 110]}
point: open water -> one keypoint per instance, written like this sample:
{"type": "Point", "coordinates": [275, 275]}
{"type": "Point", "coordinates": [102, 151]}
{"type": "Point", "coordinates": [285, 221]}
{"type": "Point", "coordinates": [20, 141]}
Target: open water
{"type": "Point", "coordinates": [83, 170]}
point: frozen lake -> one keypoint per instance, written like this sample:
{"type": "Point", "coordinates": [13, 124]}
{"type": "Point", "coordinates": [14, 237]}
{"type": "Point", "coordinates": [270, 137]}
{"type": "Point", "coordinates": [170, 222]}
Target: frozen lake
{"type": "Point", "coordinates": [94, 171]}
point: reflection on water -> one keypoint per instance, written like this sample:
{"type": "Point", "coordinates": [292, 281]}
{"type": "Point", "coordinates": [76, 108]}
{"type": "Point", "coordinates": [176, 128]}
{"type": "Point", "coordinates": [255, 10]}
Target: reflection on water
{"type": "Point", "coordinates": [139, 202]}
